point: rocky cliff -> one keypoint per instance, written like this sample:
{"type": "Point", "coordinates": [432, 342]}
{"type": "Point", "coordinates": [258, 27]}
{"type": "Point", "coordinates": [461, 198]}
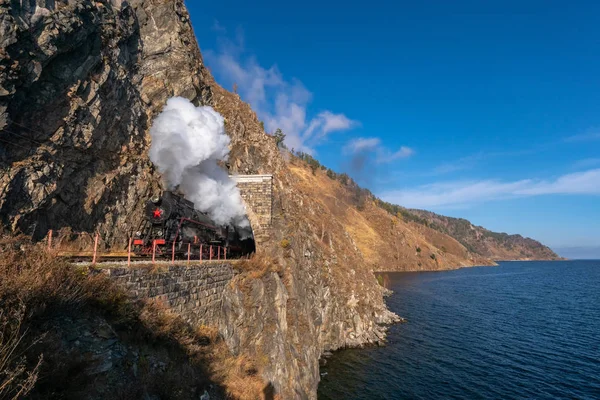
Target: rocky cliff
{"type": "Point", "coordinates": [483, 242]}
{"type": "Point", "coordinates": [80, 82]}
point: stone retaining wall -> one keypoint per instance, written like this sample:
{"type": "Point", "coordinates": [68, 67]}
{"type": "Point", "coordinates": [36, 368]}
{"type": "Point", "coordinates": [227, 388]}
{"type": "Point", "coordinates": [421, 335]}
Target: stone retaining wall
{"type": "Point", "coordinates": [194, 292]}
{"type": "Point", "coordinates": [257, 193]}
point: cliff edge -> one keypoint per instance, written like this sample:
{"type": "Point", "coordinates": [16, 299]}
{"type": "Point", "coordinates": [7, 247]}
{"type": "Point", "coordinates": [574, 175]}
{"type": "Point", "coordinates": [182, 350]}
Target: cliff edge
{"type": "Point", "coordinates": [80, 83]}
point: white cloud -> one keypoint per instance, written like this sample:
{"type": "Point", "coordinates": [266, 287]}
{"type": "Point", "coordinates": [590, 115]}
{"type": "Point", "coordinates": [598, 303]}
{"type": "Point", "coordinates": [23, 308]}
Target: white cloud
{"type": "Point", "coordinates": [403, 152]}
{"type": "Point", "coordinates": [360, 144]}
{"type": "Point", "coordinates": [374, 146]}
{"type": "Point", "coordinates": [584, 137]}
{"type": "Point", "coordinates": [461, 193]}
{"type": "Point", "coordinates": [279, 103]}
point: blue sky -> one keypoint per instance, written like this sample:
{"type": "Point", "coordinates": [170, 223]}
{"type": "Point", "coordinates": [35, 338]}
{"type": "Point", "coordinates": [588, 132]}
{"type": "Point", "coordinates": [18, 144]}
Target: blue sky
{"type": "Point", "coordinates": [487, 110]}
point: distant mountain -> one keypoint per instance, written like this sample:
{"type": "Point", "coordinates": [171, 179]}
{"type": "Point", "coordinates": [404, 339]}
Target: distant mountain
{"type": "Point", "coordinates": [478, 240]}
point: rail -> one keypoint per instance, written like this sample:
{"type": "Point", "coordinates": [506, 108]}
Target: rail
{"type": "Point", "coordinates": [79, 245]}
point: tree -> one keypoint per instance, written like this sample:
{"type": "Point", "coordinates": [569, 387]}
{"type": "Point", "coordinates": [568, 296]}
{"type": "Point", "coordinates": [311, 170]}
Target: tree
{"type": "Point", "coordinates": [344, 178]}
{"type": "Point", "coordinates": [279, 138]}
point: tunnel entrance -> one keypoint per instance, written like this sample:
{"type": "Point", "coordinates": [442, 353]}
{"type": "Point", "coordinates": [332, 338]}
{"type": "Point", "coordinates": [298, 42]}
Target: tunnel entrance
{"type": "Point", "coordinates": [257, 194]}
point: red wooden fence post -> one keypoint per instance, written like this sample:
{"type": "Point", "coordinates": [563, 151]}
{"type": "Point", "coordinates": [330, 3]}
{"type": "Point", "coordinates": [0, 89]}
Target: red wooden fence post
{"type": "Point", "coordinates": [153, 250]}
{"type": "Point", "coordinates": [49, 239]}
{"type": "Point", "coordinates": [210, 254]}
{"type": "Point", "coordinates": [95, 249]}
{"type": "Point", "coordinates": [200, 251]}
{"type": "Point", "coordinates": [173, 254]}
{"type": "Point", "coordinates": [225, 253]}
{"type": "Point", "coordinates": [189, 248]}
{"type": "Point", "coordinates": [219, 253]}
{"type": "Point", "coordinates": [129, 254]}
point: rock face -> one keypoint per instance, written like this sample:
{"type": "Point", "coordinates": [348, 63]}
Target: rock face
{"type": "Point", "coordinates": [80, 82]}
{"type": "Point", "coordinates": [319, 295]}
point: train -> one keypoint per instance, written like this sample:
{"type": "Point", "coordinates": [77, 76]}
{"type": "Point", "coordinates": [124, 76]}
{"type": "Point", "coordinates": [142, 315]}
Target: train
{"type": "Point", "coordinates": [173, 228]}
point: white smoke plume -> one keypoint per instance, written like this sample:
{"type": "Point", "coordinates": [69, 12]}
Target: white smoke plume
{"type": "Point", "coordinates": [187, 142]}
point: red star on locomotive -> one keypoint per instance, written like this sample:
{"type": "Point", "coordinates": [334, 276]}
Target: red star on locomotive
{"type": "Point", "coordinates": [172, 227]}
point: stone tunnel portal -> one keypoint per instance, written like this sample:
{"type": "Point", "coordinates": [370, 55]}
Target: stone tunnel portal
{"type": "Point", "coordinates": [257, 193]}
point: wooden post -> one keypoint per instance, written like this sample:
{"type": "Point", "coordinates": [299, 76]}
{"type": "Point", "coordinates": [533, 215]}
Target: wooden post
{"type": "Point", "coordinates": [189, 248]}
{"type": "Point", "coordinates": [129, 254]}
{"type": "Point", "coordinates": [95, 249]}
{"type": "Point", "coordinates": [219, 253]}
{"type": "Point", "coordinates": [200, 251]}
{"type": "Point", "coordinates": [153, 250]}
{"type": "Point", "coordinates": [173, 254]}
{"type": "Point", "coordinates": [225, 253]}
{"type": "Point", "coordinates": [49, 239]}
{"type": "Point", "coordinates": [210, 254]}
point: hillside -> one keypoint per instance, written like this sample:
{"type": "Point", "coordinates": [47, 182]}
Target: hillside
{"type": "Point", "coordinates": [387, 242]}
{"type": "Point", "coordinates": [493, 245]}
{"type": "Point", "coordinates": [81, 83]}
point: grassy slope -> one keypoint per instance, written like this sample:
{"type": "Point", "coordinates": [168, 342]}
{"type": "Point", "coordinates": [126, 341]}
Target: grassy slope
{"type": "Point", "coordinates": [386, 242]}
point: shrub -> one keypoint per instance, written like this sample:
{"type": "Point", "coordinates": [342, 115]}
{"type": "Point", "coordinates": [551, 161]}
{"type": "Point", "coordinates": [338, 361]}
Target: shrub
{"type": "Point", "coordinates": [418, 249]}
{"type": "Point", "coordinates": [432, 256]}
{"type": "Point", "coordinates": [285, 243]}
{"type": "Point", "coordinates": [259, 265]}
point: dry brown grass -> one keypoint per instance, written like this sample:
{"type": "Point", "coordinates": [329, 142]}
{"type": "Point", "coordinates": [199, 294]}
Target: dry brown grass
{"type": "Point", "coordinates": [37, 287]}
{"type": "Point", "coordinates": [16, 379]}
{"type": "Point", "coordinates": [258, 266]}
{"type": "Point", "coordinates": [385, 242]}
{"type": "Point", "coordinates": [33, 285]}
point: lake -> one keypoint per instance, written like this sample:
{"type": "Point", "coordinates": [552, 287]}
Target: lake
{"type": "Point", "coordinates": [520, 330]}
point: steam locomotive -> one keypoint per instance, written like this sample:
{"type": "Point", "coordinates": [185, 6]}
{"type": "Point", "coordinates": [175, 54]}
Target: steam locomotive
{"type": "Point", "coordinates": [173, 228]}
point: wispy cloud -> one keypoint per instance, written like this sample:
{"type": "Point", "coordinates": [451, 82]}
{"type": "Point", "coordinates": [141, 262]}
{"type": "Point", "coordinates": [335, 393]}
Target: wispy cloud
{"type": "Point", "coordinates": [463, 193]}
{"type": "Point", "coordinates": [584, 137]}
{"type": "Point", "coordinates": [360, 144]}
{"type": "Point", "coordinates": [461, 164]}
{"type": "Point", "coordinates": [373, 146]}
{"type": "Point", "coordinates": [279, 103]}
{"type": "Point", "coordinates": [217, 27]}
{"type": "Point", "coordinates": [473, 160]}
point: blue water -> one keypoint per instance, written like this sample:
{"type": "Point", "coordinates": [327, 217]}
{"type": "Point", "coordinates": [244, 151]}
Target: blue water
{"type": "Point", "coordinates": [523, 330]}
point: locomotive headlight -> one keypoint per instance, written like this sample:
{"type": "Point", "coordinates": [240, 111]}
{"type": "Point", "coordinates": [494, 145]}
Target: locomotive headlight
{"type": "Point", "coordinates": [138, 234]}
{"type": "Point", "coordinates": [159, 233]}
{"type": "Point", "coordinates": [155, 199]}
